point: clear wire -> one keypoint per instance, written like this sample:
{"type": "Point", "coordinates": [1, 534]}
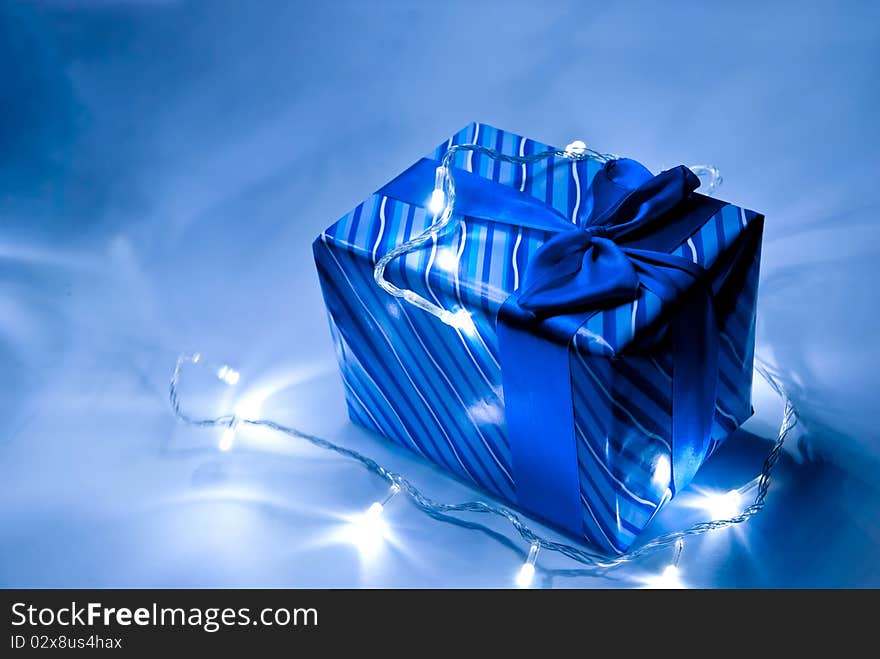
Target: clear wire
{"type": "Point", "coordinates": [443, 221]}
{"type": "Point", "coordinates": [442, 511]}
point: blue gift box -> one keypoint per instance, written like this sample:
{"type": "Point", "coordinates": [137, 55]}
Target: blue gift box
{"type": "Point", "coordinates": [591, 419]}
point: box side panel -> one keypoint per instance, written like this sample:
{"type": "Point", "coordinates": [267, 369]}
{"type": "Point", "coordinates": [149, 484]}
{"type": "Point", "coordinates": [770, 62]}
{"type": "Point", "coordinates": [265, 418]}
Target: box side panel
{"type": "Point", "coordinates": [623, 405]}
{"type": "Point", "coordinates": [736, 304]}
{"type": "Point", "coordinates": [429, 387]}
{"type": "Point", "coordinates": [622, 410]}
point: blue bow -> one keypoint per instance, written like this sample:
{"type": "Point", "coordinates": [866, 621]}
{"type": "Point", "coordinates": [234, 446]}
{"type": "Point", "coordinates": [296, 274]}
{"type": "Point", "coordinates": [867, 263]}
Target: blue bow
{"type": "Point", "coordinates": [583, 266]}
{"type": "Point", "coordinates": [628, 222]}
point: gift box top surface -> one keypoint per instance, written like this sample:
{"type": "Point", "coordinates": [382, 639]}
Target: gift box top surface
{"type": "Point", "coordinates": [480, 263]}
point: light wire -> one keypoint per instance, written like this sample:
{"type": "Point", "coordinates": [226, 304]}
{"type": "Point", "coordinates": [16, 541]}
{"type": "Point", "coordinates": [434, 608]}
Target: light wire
{"type": "Point", "coordinates": [576, 151]}
{"type": "Point", "coordinates": [440, 510]}
{"type": "Point", "coordinates": [443, 220]}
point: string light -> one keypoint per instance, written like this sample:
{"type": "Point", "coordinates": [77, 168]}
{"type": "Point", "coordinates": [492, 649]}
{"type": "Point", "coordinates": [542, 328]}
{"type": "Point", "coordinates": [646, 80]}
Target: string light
{"type": "Point", "coordinates": [576, 148]}
{"type": "Point", "coordinates": [527, 570]}
{"type": "Point", "coordinates": [446, 512]}
{"type": "Point", "coordinates": [227, 439]}
{"type": "Point", "coordinates": [711, 175]}
{"type": "Point", "coordinates": [461, 320]}
{"type": "Point", "coordinates": [721, 505]}
{"type": "Point", "coordinates": [228, 375]}
{"type": "Point", "coordinates": [670, 577]}
{"type": "Point", "coordinates": [442, 202]}
{"type": "Point", "coordinates": [369, 530]}
{"type": "Point", "coordinates": [377, 507]}
{"type": "Point", "coordinates": [438, 196]}
{"type": "Point", "coordinates": [662, 475]}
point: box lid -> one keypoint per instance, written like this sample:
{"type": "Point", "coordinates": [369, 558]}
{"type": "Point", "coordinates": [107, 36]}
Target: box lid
{"type": "Point", "coordinates": [479, 264]}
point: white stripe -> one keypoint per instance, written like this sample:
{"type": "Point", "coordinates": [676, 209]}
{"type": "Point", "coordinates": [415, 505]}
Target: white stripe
{"type": "Point", "coordinates": [454, 391]}
{"type": "Point", "coordinates": [431, 258]}
{"type": "Point", "coordinates": [660, 368]}
{"type": "Point", "coordinates": [732, 348]}
{"type": "Point", "coordinates": [381, 227]}
{"type": "Point", "coordinates": [577, 196]}
{"type": "Point", "coordinates": [470, 164]}
{"type": "Point", "coordinates": [633, 316]}
{"type": "Point", "coordinates": [594, 338]}
{"type": "Point", "coordinates": [463, 225]}
{"type": "Point", "coordinates": [455, 273]}
{"type": "Point", "coordinates": [614, 402]}
{"type": "Point", "coordinates": [742, 216]}
{"type": "Point", "coordinates": [352, 391]}
{"type": "Point", "coordinates": [384, 397]}
{"type": "Point", "coordinates": [608, 471]}
{"type": "Point", "coordinates": [461, 304]}
{"type": "Point", "coordinates": [513, 262]}
{"type": "Point", "coordinates": [399, 361]}
{"type": "Point", "coordinates": [522, 153]}
{"type": "Point", "coordinates": [598, 525]}
{"type": "Point", "coordinates": [693, 249]}
{"type": "Point", "coordinates": [723, 413]}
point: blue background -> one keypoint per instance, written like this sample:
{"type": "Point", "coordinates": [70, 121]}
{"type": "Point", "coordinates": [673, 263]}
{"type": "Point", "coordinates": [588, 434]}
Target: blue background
{"type": "Point", "coordinates": [164, 167]}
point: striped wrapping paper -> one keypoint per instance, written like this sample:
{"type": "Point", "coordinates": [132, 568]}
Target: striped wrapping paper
{"type": "Point", "coordinates": [437, 390]}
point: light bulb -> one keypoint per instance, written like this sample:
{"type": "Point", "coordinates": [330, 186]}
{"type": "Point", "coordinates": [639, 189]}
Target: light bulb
{"type": "Point", "coordinates": [438, 196]}
{"type": "Point", "coordinates": [525, 575]}
{"type": "Point", "coordinates": [437, 202]}
{"type": "Point", "coordinates": [446, 259]}
{"type": "Point", "coordinates": [662, 473]}
{"type": "Point", "coordinates": [670, 577]}
{"type": "Point", "coordinates": [227, 439]}
{"type": "Point", "coordinates": [527, 570]}
{"type": "Point", "coordinates": [375, 509]}
{"type": "Point", "coordinates": [461, 320]}
{"type": "Point", "coordinates": [722, 505]}
{"type": "Point", "coordinates": [229, 375]}
{"type": "Point", "coordinates": [369, 530]}
{"type": "Point", "coordinates": [576, 148]}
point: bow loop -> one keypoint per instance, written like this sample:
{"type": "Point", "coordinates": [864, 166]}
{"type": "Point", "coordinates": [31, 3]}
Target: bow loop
{"type": "Point", "coordinates": [584, 267]}
{"type": "Point", "coordinates": [575, 270]}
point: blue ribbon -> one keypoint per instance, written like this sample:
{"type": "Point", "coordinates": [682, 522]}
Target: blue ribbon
{"type": "Point", "coordinates": [629, 220]}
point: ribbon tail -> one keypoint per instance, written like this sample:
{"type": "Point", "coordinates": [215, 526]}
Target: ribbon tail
{"type": "Point", "coordinates": [539, 414]}
{"type": "Point", "coordinates": [695, 338]}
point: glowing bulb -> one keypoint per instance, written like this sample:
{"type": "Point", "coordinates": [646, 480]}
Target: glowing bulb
{"type": "Point", "coordinates": [722, 505]}
{"type": "Point", "coordinates": [525, 576]}
{"type": "Point", "coordinates": [460, 320]}
{"type": "Point", "coordinates": [527, 570]}
{"type": "Point", "coordinates": [576, 148]}
{"type": "Point", "coordinates": [438, 197]}
{"type": "Point", "coordinates": [671, 576]}
{"type": "Point", "coordinates": [437, 202]}
{"type": "Point", "coordinates": [227, 439]}
{"type": "Point", "coordinates": [229, 375]}
{"type": "Point", "coordinates": [669, 579]}
{"type": "Point", "coordinates": [369, 530]}
{"type": "Point", "coordinates": [446, 259]}
{"type": "Point", "coordinates": [662, 473]}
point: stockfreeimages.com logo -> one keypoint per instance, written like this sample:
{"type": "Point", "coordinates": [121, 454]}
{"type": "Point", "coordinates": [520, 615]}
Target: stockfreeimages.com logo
{"type": "Point", "coordinates": [211, 619]}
